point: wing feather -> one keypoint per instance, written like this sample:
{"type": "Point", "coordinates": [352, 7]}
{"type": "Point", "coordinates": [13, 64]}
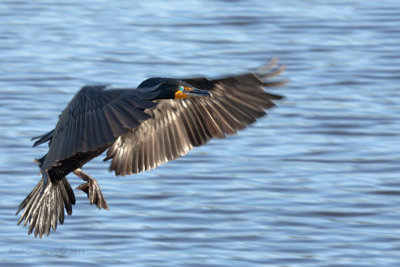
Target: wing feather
{"type": "Point", "coordinates": [43, 138]}
{"type": "Point", "coordinates": [176, 126]}
{"type": "Point", "coordinates": [94, 118]}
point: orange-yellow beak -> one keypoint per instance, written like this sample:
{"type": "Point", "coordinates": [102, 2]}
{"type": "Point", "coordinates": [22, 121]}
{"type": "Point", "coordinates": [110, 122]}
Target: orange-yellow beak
{"type": "Point", "coordinates": [187, 91]}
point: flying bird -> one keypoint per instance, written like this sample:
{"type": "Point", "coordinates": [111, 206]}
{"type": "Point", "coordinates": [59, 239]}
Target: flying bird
{"type": "Point", "coordinates": [140, 128]}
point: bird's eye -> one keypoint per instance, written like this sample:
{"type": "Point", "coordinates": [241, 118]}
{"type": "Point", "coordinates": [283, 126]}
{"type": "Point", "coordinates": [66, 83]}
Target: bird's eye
{"type": "Point", "coordinates": [181, 88]}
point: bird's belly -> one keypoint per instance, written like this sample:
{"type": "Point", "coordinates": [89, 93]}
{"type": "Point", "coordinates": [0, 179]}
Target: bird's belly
{"type": "Point", "coordinates": [70, 164]}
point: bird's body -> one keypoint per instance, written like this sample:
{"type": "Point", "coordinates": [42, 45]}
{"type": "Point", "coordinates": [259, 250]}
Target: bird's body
{"type": "Point", "coordinates": [161, 120]}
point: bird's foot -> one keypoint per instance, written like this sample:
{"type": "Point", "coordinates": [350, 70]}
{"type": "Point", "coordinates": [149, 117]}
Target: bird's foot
{"type": "Point", "coordinates": [92, 189]}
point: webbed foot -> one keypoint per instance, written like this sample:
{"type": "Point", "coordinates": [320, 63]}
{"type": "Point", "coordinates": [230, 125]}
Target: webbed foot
{"type": "Point", "coordinates": [92, 189]}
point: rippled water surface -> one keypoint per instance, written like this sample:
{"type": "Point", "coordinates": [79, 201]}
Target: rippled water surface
{"type": "Point", "coordinates": [316, 183]}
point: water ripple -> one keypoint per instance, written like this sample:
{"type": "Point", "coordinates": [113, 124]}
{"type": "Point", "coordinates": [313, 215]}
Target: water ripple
{"type": "Point", "coordinates": [315, 183]}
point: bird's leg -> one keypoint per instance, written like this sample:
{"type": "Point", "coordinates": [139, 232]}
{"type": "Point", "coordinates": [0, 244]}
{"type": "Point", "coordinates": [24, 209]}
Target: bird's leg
{"type": "Point", "coordinates": [92, 189]}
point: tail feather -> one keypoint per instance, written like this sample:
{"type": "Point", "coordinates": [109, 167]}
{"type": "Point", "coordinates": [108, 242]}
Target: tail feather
{"type": "Point", "coordinates": [44, 206]}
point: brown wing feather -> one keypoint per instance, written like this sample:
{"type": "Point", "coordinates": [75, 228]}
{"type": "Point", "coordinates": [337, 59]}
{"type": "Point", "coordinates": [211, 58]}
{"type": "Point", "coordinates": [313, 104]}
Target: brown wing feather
{"type": "Point", "coordinates": [176, 126]}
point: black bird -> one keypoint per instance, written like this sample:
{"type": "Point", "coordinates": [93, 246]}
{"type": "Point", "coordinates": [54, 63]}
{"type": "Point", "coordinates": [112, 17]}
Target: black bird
{"type": "Point", "coordinates": [161, 120]}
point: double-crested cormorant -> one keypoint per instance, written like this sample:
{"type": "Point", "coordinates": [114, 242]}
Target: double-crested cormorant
{"type": "Point", "coordinates": [161, 120]}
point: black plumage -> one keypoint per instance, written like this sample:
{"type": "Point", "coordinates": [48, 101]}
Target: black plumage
{"type": "Point", "coordinates": [161, 120]}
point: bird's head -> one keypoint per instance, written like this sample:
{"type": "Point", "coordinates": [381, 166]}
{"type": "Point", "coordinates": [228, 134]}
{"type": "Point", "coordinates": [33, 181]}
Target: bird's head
{"type": "Point", "coordinates": [185, 90]}
{"type": "Point", "coordinates": [172, 88]}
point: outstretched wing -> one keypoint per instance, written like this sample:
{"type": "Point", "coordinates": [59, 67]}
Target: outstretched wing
{"type": "Point", "coordinates": [177, 125]}
{"type": "Point", "coordinates": [94, 118]}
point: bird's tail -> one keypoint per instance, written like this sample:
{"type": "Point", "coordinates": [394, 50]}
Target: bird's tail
{"type": "Point", "coordinates": [44, 206]}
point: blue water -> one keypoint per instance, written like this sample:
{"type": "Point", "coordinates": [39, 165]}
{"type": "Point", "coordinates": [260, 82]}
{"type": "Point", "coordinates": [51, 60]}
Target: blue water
{"type": "Point", "coordinates": [316, 183]}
